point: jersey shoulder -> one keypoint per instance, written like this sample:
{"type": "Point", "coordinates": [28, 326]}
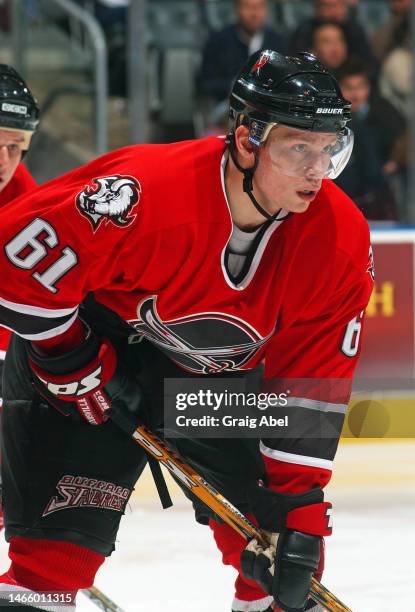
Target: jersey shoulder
{"type": "Point", "coordinates": [339, 223]}
{"type": "Point", "coordinates": [150, 187]}
{"type": "Point", "coordinates": [24, 178]}
{"type": "Point", "coordinates": [180, 183]}
{"type": "Point", "coordinates": [21, 182]}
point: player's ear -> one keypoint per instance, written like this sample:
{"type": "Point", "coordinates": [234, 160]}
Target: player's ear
{"type": "Point", "coordinates": [244, 147]}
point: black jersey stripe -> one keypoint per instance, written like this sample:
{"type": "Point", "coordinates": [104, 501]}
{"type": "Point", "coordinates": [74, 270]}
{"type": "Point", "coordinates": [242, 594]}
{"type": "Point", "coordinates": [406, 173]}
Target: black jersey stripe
{"type": "Point", "coordinates": [35, 327]}
{"type": "Point", "coordinates": [40, 311]}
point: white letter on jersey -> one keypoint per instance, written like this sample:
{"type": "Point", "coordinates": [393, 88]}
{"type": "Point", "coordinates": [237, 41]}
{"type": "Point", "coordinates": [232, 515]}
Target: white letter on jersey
{"type": "Point", "coordinates": [29, 238]}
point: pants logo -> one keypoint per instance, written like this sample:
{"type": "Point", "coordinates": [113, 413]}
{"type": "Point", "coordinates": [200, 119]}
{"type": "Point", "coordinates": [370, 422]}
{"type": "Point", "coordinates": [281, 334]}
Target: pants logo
{"type": "Point", "coordinates": [81, 492]}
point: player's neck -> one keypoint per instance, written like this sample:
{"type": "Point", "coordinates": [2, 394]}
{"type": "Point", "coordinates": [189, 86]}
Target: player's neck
{"type": "Point", "coordinates": [244, 214]}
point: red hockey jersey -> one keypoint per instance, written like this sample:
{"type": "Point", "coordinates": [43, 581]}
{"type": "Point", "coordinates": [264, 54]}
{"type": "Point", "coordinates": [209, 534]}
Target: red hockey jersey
{"type": "Point", "coordinates": [21, 182]}
{"type": "Point", "coordinates": [146, 229]}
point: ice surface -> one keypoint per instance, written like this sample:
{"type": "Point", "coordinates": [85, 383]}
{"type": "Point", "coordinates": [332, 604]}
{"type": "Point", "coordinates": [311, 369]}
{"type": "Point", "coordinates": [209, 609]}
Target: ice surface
{"type": "Point", "coordinates": [165, 562]}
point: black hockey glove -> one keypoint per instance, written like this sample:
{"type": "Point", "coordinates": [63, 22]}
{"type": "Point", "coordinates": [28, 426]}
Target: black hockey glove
{"type": "Point", "coordinates": [295, 525]}
{"type": "Point", "coordinates": [88, 381]}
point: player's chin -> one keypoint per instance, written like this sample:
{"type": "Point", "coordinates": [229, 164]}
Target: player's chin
{"type": "Point", "coordinates": [299, 206]}
{"type": "Point", "coordinates": [303, 199]}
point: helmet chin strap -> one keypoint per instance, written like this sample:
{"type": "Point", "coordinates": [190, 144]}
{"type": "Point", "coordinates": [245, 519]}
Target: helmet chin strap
{"type": "Point", "coordinates": [248, 179]}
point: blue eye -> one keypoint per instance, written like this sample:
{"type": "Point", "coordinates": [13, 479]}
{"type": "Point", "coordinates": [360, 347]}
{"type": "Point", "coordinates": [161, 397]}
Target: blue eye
{"type": "Point", "coordinates": [300, 148]}
{"type": "Point", "coordinates": [13, 148]}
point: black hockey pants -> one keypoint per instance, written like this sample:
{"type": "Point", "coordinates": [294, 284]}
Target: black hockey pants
{"type": "Point", "coordinates": [68, 480]}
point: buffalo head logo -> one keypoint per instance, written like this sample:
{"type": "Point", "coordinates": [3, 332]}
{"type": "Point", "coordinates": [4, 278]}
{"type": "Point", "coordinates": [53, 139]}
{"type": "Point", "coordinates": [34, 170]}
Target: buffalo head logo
{"type": "Point", "coordinates": [110, 198]}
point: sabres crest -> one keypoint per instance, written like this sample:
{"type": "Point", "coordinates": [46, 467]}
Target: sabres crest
{"type": "Point", "coordinates": [202, 343]}
{"type": "Point", "coordinates": [109, 198]}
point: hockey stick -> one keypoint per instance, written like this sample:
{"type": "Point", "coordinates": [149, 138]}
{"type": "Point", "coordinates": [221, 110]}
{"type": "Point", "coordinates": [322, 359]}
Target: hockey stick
{"type": "Point", "coordinates": [220, 505]}
{"type": "Point", "coordinates": [101, 600]}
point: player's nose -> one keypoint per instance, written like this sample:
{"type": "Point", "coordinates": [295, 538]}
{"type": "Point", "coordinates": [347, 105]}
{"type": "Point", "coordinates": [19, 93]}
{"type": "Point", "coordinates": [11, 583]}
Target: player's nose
{"type": "Point", "coordinates": [316, 168]}
{"type": "Point", "coordinates": [4, 155]}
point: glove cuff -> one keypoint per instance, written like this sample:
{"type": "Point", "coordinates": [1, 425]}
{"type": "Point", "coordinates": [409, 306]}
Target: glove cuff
{"type": "Point", "coordinates": [314, 519]}
{"type": "Point", "coordinates": [306, 512]}
{"type": "Point", "coordinates": [70, 361]}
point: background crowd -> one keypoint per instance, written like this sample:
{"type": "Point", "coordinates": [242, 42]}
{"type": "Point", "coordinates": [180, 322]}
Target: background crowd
{"type": "Point", "coordinates": [372, 61]}
{"type": "Point", "coordinates": [374, 72]}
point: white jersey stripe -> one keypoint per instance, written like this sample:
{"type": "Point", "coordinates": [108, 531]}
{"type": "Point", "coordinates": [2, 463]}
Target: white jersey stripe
{"type": "Point", "coordinates": [37, 311]}
{"type": "Point", "coordinates": [304, 402]}
{"type": "Point", "coordinates": [258, 605]}
{"type": "Point", "coordinates": [292, 458]}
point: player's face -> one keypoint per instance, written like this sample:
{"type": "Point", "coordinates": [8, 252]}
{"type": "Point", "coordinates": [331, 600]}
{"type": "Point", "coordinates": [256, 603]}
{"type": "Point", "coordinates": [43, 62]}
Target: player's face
{"type": "Point", "coordinates": [10, 154]}
{"type": "Point", "coordinates": [330, 46]}
{"type": "Point", "coordinates": [356, 89]}
{"type": "Point", "coordinates": [292, 165]}
{"type": "Point", "coordinates": [332, 9]}
{"type": "Point", "coordinates": [400, 7]}
{"type": "Point", "coordinates": [252, 14]}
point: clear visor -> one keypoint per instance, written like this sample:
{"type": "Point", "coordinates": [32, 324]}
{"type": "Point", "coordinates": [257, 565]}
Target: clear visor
{"type": "Point", "coordinates": [309, 155]}
{"type": "Point", "coordinates": [20, 137]}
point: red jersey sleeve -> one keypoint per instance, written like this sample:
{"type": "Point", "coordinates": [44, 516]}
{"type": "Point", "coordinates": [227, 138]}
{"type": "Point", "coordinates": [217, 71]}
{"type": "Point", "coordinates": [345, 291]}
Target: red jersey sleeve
{"type": "Point", "coordinates": [314, 358]}
{"type": "Point", "coordinates": [21, 182]}
{"type": "Point", "coordinates": [60, 242]}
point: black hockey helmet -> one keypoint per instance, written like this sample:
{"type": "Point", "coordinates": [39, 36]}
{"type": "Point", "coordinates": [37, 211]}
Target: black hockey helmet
{"type": "Point", "coordinates": [18, 108]}
{"type": "Point", "coordinates": [296, 91]}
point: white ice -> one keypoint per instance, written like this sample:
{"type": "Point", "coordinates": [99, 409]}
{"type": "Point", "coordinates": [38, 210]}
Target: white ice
{"type": "Point", "coordinates": [165, 562]}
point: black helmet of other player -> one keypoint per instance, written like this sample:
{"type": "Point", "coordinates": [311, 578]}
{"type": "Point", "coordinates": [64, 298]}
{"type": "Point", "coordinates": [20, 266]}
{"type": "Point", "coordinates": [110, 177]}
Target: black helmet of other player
{"type": "Point", "coordinates": [19, 110]}
{"type": "Point", "coordinates": [298, 92]}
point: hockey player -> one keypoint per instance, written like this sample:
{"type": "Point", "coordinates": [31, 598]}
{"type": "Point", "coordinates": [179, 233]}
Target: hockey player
{"type": "Point", "coordinates": [19, 116]}
{"type": "Point", "coordinates": [218, 256]}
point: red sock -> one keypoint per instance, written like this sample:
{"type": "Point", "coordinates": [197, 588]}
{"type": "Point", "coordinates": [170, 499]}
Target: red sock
{"type": "Point", "coordinates": [51, 565]}
{"type": "Point", "coordinates": [248, 594]}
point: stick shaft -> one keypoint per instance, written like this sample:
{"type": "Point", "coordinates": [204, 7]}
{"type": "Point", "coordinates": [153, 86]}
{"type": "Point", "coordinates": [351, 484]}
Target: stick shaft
{"type": "Point", "coordinates": [101, 600]}
{"type": "Point", "coordinates": [220, 505]}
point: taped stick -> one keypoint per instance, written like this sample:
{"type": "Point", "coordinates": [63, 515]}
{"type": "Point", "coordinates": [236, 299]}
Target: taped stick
{"type": "Point", "coordinates": [101, 600]}
{"type": "Point", "coordinates": [158, 449]}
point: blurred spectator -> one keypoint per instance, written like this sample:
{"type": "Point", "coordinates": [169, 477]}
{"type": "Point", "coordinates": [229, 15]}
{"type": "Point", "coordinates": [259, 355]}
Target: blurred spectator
{"type": "Point", "coordinates": [112, 15]}
{"type": "Point", "coordinates": [339, 11]}
{"type": "Point", "coordinates": [227, 50]}
{"type": "Point", "coordinates": [4, 16]}
{"type": "Point", "coordinates": [396, 76]}
{"type": "Point", "coordinates": [377, 127]}
{"type": "Point", "coordinates": [329, 44]}
{"type": "Point", "coordinates": [32, 9]}
{"type": "Point", "coordinates": [388, 124]}
{"type": "Point", "coordinates": [389, 35]}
